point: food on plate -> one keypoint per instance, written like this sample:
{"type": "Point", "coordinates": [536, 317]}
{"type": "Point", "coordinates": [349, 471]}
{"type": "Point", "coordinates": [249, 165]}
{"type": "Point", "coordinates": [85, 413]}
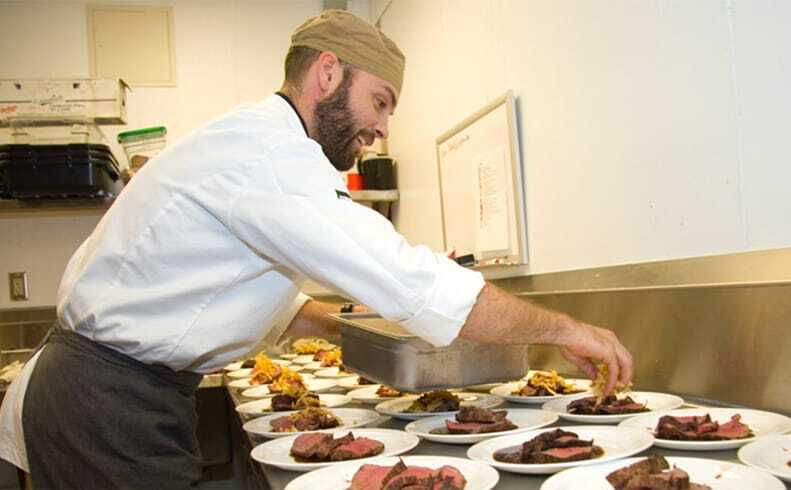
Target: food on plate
{"type": "Point", "coordinates": [600, 383]}
{"type": "Point", "coordinates": [375, 477]}
{"type": "Point", "coordinates": [475, 420]}
{"type": "Point", "coordinates": [289, 383]}
{"type": "Point", "coordinates": [388, 392]}
{"type": "Point", "coordinates": [318, 446]}
{"type": "Point", "coordinates": [284, 403]}
{"type": "Point", "coordinates": [435, 401]}
{"type": "Point", "coordinates": [247, 364]}
{"type": "Point", "coordinates": [328, 358]}
{"type": "Point", "coordinates": [610, 405]}
{"type": "Point", "coordinates": [652, 473]}
{"type": "Point", "coordinates": [265, 370]}
{"type": "Point", "coordinates": [546, 384]}
{"type": "Point", "coordinates": [310, 345]}
{"type": "Point", "coordinates": [701, 428]}
{"type": "Point", "coordinates": [365, 381]}
{"type": "Point", "coordinates": [555, 446]}
{"type": "Point", "coordinates": [312, 418]}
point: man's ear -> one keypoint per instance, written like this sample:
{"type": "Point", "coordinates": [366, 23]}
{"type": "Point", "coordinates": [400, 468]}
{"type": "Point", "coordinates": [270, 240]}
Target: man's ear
{"type": "Point", "coordinates": [329, 72]}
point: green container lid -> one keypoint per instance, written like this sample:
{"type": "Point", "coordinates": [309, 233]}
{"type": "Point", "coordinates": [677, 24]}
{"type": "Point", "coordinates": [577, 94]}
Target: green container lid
{"type": "Point", "coordinates": [142, 134]}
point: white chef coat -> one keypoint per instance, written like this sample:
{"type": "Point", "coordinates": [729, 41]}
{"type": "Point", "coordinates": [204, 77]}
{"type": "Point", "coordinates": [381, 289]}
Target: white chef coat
{"type": "Point", "coordinates": [204, 252]}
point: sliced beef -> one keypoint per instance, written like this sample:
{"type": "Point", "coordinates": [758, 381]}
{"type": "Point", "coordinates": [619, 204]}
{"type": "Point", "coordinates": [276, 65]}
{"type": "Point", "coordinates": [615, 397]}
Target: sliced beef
{"type": "Point", "coordinates": [509, 455]}
{"type": "Point", "coordinates": [282, 403]}
{"type": "Point", "coordinates": [611, 405]}
{"type": "Point", "coordinates": [565, 454]}
{"type": "Point", "coordinates": [652, 464]}
{"type": "Point", "coordinates": [282, 424]}
{"type": "Point", "coordinates": [370, 477]}
{"type": "Point", "coordinates": [449, 479]}
{"type": "Point", "coordinates": [308, 446]}
{"type": "Point", "coordinates": [483, 415]}
{"type": "Point", "coordinates": [412, 476]}
{"type": "Point", "coordinates": [477, 427]}
{"type": "Point", "coordinates": [248, 363]}
{"type": "Point", "coordinates": [701, 428]}
{"type": "Point", "coordinates": [674, 479]}
{"type": "Point", "coordinates": [362, 447]}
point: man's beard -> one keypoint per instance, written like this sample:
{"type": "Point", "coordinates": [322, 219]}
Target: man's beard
{"type": "Point", "coordinates": [336, 126]}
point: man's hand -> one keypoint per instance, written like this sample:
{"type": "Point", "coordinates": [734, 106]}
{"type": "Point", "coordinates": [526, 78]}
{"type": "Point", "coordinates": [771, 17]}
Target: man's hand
{"type": "Point", "coordinates": [584, 345]}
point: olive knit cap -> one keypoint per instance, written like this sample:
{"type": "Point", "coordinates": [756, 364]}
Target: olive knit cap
{"type": "Point", "coordinates": [354, 41]}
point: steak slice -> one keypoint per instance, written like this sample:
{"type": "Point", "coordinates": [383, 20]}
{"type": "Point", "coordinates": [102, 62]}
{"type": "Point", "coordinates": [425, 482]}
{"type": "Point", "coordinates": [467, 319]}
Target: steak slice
{"type": "Point", "coordinates": [652, 464]}
{"type": "Point", "coordinates": [509, 455]}
{"type": "Point", "coordinates": [281, 403]}
{"type": "Point", "coordinates": [374, 477]}
{"type": "Point", "coordinates": [543, 440]}
{"type": "Point", "coordinates": [478, 428]}
{"type": "Point", "coordinates": [674, 479]}
{"type": "Point", "coordinates": [611, 405]}
{"type": "Point", "coordinates": [362, 447]}
{"type": "Point", "coordinates": [310, 446]}
{"type": "Point", "coordinates": [413, 476]}
{"type": "Point", "coordinates": [282, 424]}
{"type": "Point", "coordinates": [449, 478]}
{"type": "Point", "coordinates": [565, 454]}
{"type": "Point", "coordinates": [733, 429]}
{"type": "Point", "coordinates": [483, 415]}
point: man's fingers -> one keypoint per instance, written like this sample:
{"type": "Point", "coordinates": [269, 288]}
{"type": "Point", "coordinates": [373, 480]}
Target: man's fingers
{"type": "Point", "coordinates": [612, 372]}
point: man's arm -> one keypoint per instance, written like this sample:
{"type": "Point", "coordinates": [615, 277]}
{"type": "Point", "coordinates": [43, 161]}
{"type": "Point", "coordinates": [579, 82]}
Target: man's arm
{"type": "Point", "coordinates": [499, 317]}
{"type": "Point", "coordinates": [312, 321]}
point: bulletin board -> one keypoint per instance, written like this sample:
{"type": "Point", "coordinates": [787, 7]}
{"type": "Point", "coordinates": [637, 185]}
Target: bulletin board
{"type": "Point", "coordinates": [480, 179]}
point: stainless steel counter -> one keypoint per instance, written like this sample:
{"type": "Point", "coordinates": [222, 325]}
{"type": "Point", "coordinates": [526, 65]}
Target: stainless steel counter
{"type": "Point", "coordinates": [277, 479]}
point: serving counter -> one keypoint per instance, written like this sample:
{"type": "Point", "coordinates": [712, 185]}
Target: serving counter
{"type": "Point", "coordinates": [262, 476]}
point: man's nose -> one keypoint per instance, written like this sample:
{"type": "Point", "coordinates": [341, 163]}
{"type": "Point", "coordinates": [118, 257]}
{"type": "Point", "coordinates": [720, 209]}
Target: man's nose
{"type": "Point", "coordinates": [381, 127]}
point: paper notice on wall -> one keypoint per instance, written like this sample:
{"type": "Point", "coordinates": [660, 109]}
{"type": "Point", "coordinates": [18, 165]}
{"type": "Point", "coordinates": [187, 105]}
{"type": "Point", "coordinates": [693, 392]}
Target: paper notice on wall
{"type": "Point", "coordinates": [492, 237]}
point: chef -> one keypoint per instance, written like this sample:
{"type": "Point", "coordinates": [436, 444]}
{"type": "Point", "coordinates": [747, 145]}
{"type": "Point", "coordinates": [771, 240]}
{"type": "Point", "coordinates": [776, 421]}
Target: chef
{"type": "Point", "coordinates": [204, 253]}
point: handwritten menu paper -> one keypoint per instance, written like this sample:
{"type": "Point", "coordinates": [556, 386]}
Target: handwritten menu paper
{"type": "Point", "coordinates": [492, 237]}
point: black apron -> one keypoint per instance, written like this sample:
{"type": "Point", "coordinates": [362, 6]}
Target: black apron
{"type": "Point", "coordinates": [94, 418]}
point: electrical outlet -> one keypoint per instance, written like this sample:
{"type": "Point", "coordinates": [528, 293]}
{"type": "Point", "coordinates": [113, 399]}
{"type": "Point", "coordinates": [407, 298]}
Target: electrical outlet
{"type": "Point", "coordinates": [17, 286]}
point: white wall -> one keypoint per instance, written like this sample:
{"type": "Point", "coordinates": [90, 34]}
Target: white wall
{"type": "Point", "coordinates": [227, 52]}
{"type": "Point", "coordinates": [649, 129]}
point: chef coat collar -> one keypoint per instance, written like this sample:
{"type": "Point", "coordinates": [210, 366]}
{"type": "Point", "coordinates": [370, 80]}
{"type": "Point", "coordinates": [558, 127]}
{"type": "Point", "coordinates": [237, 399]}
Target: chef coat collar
{"type": "Point", "coordinates": [285, 97]}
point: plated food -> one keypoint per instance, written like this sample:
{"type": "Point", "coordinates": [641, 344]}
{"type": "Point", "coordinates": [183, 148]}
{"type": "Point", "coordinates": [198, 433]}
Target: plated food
{"type": "Point", "coordinates": [275, 404]}
{"type": "Point", "coordinates": [704, 473]}
{"type": "Point", "coordinates": [313, 385]}
{"type": "Point", "coordinates": [709, 429]}
{"type": "Point", "coordinates": [354, 382]}
{"type": "Point", "coordinates": [649, 401]}
{"type": "Point", "coordinates": [409, 407]}
{"type": "Point", "coordinates": [472, 424]}
{"type": "Point", "coordinates": [377, 474]}
{"type": "Point", "coordinates": [556, 446]}
{"type": "Point", "coordinates": [542, 383]}
{"type": "Point", "coordinates": [329, 358]}
{"type": "Point", "coordinates": [769, 454]}
{"type": "Point", "coordinates": [653, 472]}
{"type": "Point", "coordinates": [608, 405]}
{"type": "Point", "coordinates": [310, 345]}
{"type": "Point", "coordinates": [311, 419]}
{"type": "Point", "coordinates": [546, 451]}
{"type": "Point", "coordinates": [337, 372]}
{"type": "Point", "coordinates": [515, 391]}
{"type": "Point", "coordinates": [306, 452]}
{"type": "Point", "coordinates": [375, 394]}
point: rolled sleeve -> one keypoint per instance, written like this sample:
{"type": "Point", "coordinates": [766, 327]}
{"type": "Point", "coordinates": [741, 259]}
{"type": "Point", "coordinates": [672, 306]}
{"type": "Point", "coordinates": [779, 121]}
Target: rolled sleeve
{"type": "Point", "coordinates": [452, 298]}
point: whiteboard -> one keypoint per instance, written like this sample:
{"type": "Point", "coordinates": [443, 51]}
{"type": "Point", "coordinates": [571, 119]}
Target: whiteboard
{"type": "Point", "coordinates": [480, 180]}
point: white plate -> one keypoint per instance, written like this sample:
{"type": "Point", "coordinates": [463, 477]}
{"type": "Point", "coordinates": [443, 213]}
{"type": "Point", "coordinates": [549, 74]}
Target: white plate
{"type": "Point", "coordinates": [395, 408]}
{"type": "Point", "coordinates": [333, 372]}
{"type": "Point", "coordinates": [314, 385]}
{"type": "Point", "coordinates": [485, 388]}
{"type": "Point", "coordinates": [770, 454]}
{"type": "Point", "coordinates": [241, 373]}
{"type": "Point", "coordinates": [719, 475]}
{"type": "Point", "coordinates": [288, 357]}
{"type": "Point", "coordinates": [653, 401]}
{"type": "Point", "coordinates": [524, 419]}
{"type": "Point", "coordinates": [351, 382]}
{"type": "Point", "coordinates": [478, 476]}
{"type": "Point", "coordinates": [761, 423]}
{"type": "Point", "coordinates": [368, 395]}
{"type": "Point", "coordinates": [303, 359]}
{"type": "Point", "coordinates": [349, 417]}
{"type": "Point", "coordinates": [506, 390]}
{"type": "Point", "coordinates": [234, 366]}
{"type": "Point", "coordinates": [261, 407]}
{"type": "Point", "coordinates": [276, 452]}
{"type": "Point", "coordinates": [617, 442]}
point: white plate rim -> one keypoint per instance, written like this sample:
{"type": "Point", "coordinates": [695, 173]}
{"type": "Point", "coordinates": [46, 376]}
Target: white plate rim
{"type": "Point", "coordinates": [547, 468]}
{"type": "Point", "coordinates": [410, 442]}
{"type": "Point", "coordinates": [719, 413]}
{"type": "Point", "coordinates": [555, 405]}
{"type": "Point", "coordinates": [746, 454]}
{"type": "Point", "coordinates": [530, 400]}
{"type": "Point", "coordinates": [413, 426]}
{"type": "Point", "coordinates": [488, 473]}
{"type": "Point", "coordinates": [385, 407]}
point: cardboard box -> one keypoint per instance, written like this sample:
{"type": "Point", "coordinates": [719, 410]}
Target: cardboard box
{"type": "Point", "coordinates": [102, 101]}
